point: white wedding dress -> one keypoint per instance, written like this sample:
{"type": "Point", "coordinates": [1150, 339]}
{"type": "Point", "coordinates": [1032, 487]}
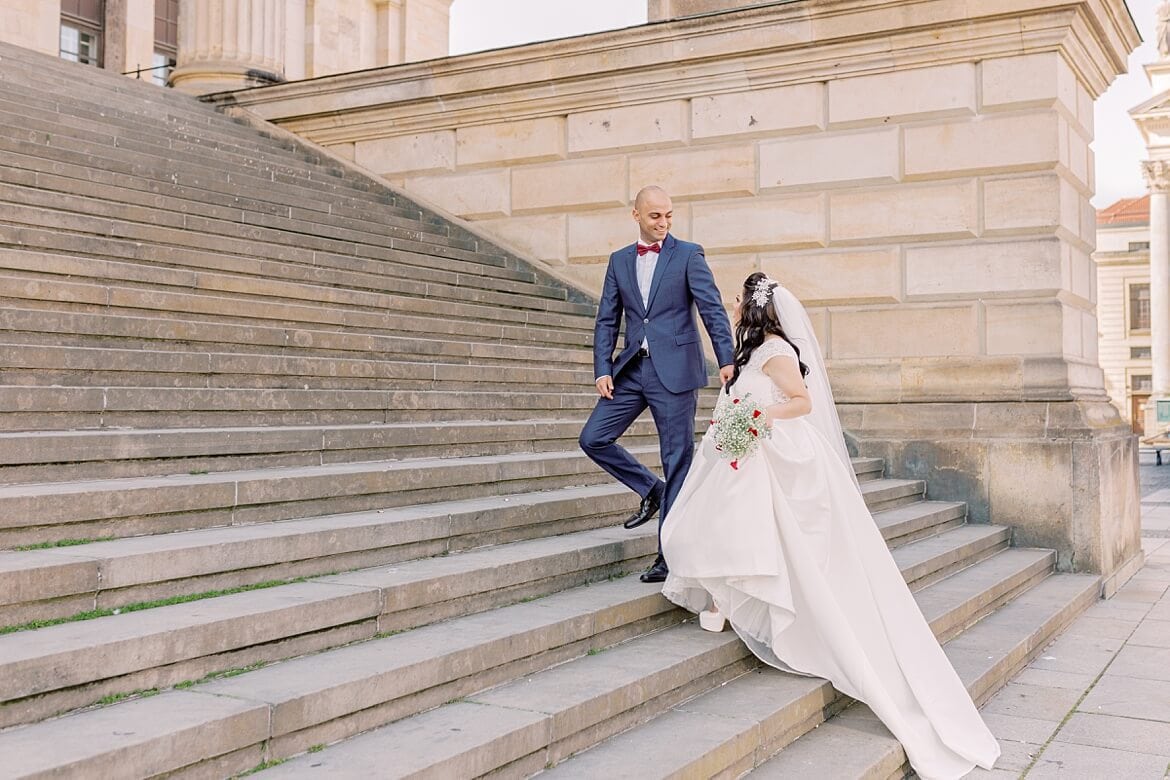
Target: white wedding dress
{"type": "Point", "coordinates": [787, 550]}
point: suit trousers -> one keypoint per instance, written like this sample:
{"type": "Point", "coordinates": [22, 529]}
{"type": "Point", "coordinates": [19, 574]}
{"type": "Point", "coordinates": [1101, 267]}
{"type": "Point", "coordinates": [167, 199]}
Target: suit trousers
{"type": "Point", "coordinates": [636, 388]}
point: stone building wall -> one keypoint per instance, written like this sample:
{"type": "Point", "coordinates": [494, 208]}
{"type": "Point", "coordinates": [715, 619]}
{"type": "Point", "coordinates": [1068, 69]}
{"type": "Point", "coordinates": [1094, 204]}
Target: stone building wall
{"type": "Point", "coordinates": [919, 172]}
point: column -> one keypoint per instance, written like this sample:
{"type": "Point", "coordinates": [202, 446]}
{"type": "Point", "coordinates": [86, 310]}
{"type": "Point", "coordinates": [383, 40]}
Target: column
{"type": "Point", "coordinates": [229, 44]}
{"type": "Point", "coordinates": [1157, 173]}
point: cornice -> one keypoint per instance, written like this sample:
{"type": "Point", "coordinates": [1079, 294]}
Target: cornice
{"type": "Point", "coordinates": [782, 43]}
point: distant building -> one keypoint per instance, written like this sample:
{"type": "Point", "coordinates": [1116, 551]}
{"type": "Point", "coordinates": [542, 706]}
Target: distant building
{"type": "Point", "coordinates": [1123, 305]}
{"type": "Point", "coordinates": [207, 45]}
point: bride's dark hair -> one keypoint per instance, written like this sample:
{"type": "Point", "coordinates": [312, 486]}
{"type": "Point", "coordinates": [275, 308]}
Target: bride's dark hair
{"type": "Point", "coordinates": [755, 323]}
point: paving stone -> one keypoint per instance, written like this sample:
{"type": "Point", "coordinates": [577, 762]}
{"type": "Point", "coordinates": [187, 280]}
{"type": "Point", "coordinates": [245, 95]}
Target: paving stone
{"type": "Point", "coordinates": [1152, 633]}
{"type": "Point", "coordinates": [1033, 701]}
{"type": "Point", "coordinates": [1129, 697]}
{"type": "Point", "coordinates": [1108, 731]}
{"type": "Point", "coordinates": [1065, 760]}
{"type": "Point", "coordinates": [1108, 628]}
{"type": "Point", "coordinates": [1046, 678]}
{"type": "Point", "coordinates": [1013, 728]}
{"type": "Point", "coordinates": [1142, 662]}
{"type": "Point", "coordinates": [1078, 654]}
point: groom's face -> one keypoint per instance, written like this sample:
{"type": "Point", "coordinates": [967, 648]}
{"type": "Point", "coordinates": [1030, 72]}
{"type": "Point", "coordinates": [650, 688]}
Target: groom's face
{"type": "Point", "coordinates": [653, 216]}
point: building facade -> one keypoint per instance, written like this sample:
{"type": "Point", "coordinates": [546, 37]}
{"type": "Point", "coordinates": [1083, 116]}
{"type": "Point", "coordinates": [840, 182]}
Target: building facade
{"type": "Point", "coordinates": [208, 45]}
{"type": "Point", "coordinates": [1123, 305]}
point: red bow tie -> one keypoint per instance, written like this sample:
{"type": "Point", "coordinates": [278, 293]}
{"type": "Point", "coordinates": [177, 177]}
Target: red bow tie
{"type": "Point", "coordinates": [655, 248]}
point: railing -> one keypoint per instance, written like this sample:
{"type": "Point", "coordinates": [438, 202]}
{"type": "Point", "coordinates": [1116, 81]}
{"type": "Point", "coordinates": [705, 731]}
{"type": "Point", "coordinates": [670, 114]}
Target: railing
{"type": "Point", "coordinates": [137, 72]}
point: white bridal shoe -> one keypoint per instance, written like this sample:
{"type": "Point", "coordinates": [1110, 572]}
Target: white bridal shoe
{"type": "Point", "coordinates": [711, 620]}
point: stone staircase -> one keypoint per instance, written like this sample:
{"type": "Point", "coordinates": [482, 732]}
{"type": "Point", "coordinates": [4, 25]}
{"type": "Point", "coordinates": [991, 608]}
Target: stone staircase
{"type": "Point", "coordinates": [288, 470]}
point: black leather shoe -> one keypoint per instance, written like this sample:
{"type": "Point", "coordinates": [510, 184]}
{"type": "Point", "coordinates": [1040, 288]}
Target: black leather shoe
{"type": "Point", "coordinates": [646, 510]}
{"type": "Point", "coordinates": [657, 572]}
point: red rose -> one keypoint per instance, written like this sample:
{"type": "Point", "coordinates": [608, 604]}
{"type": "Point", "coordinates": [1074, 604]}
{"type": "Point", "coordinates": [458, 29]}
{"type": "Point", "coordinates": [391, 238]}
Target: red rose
{"type": "Point", "coordinates": [735, 400]}
{"type": "Point", "coordinates": [753, 432]}
{"type": "Point", "coordinates": [735, 465]}
{"type": "Point", "coordinates": [756, 414]}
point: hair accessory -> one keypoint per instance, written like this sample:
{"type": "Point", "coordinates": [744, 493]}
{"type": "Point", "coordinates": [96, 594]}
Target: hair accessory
{"type": "Point", "coordinates": [763, 292]}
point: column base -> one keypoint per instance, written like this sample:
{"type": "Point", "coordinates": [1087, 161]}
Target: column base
{"type": "Point", "coordinates": [1062, 474]}
{"type": "Point", "coordinates": [206, 78]}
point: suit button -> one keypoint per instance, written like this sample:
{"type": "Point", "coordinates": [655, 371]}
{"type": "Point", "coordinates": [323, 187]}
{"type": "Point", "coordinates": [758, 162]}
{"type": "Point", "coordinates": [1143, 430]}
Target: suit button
{"type": "Point", "coordinates": [646, 322]}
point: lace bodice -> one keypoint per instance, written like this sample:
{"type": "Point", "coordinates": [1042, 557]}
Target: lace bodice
{"type": "Point", "coordinates": [752, 378]}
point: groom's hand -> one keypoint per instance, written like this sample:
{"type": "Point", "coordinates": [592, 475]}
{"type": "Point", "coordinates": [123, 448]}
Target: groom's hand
{"type": "Point", "coordinates": [726, 373]}
{"type": "Point", "coordinates": [605, 386]}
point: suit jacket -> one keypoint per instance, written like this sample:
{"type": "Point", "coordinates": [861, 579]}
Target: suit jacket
{"type": "Point", "coordinates": [682, 278]}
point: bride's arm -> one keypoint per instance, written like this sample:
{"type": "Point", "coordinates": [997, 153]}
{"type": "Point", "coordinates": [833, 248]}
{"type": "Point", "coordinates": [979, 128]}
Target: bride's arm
{"type": "Point", "coordinates": [784, 371]}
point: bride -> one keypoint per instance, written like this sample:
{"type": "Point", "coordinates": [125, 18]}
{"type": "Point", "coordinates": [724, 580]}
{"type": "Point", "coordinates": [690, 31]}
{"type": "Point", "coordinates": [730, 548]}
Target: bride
{"type": "Point", "coordinates": [784, 547]}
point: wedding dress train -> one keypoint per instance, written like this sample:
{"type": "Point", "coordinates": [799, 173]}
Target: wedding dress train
{"type": "Point", "coordinates": [786, 549]}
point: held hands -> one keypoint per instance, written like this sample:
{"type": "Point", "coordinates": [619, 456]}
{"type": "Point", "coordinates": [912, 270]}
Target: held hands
{"type": "Point", "coordinates": [725, 373]}
{"type": "Point", "coordinates": [604, 386]}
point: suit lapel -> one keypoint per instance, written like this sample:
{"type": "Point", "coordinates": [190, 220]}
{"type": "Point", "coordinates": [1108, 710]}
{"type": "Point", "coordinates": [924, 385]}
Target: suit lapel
{"type": "Point", "coordinates": [630, 268]}
{"type": "Point", "coordinates": [664, 258]}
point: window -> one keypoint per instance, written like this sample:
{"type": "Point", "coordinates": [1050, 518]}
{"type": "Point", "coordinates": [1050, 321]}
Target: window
{"type": "Point", "coordinates": [1137, 246]}
{"type": "Point", "coordinates": [1139, 307]}
{"type": "Point", "coordinates": [82, 22]}
{"type": "Point", "coordinates": [1141, 384]}
{"type": "Point", "coordinates": [1140, 353]}
{"type": "Point", "coordinates": [166, 39]}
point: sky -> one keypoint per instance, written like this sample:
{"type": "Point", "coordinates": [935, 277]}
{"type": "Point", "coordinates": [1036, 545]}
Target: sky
{"type": "Point", "coordinates": [488, 24]}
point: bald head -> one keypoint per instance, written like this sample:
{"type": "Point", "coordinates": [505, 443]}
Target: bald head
{"type": "Point", "coordinates": [651, 192]}
{"type": "Point", "coordinates": [653, 212]}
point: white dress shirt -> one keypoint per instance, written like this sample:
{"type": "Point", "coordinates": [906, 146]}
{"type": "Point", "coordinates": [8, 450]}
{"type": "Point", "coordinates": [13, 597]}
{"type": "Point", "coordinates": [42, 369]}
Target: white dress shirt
{"type": "Point", "coordinates": [646, 265]}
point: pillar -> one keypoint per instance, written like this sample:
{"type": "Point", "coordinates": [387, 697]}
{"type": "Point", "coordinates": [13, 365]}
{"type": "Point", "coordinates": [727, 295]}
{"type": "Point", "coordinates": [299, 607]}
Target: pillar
{"type": "Point", "coordinates": [1157, 173]}
{"type": "Point", "coordinates": [229, 44]}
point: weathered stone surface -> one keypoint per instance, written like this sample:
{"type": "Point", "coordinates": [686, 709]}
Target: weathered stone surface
{"type": "Point", "coordinates": [792, 222]}
{"type": "Point", "coordinates": [872, 156]}
{"type": "Point", "coordinates": [941, 90]}
{"type": "Point", "coordinates": [401, 154]}
{"type": "Point", "coordinates": [905, 212]}
{"type": "Point", "coordinates": [726, 171]}
{"type": "Point", "coordinates": [759, 111]}
{"type": "Point", "coordinates": [510, 142]}
{"type": "Point", "coordinates": [569, 186]}
{"type": "Point", "coordinates": [641, 126]}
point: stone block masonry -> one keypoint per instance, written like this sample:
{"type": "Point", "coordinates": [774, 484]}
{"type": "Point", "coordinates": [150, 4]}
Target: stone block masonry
{"type": "Point", "coordinates": [922, 185]}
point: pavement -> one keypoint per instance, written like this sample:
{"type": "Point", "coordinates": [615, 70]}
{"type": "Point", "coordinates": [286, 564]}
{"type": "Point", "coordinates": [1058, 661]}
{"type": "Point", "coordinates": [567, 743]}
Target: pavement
{"type": "Point", "coordinates": [1095, 704]}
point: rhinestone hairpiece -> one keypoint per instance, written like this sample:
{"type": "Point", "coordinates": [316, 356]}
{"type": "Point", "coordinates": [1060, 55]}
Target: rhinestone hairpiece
{"type": "Point", "coordinates": [763, 292]}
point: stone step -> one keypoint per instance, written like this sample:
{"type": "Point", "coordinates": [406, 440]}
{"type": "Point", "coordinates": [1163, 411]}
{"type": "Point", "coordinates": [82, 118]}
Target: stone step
{"type": "Point", "coordinates": [48, 512]}
{"type": "Point", "coordinates": [132, 100]}
{"type": "Point", "coordinates": [914, 521]}
{"type": "Point", "coordinates": [35, 365]}
{"type": "Point", "coordinates": [152, 153]}
{"type": "Point", "coordinates": [930, 559]}
{"type": "Point", "coordinates": [159, 332]}
{"type": "Point", "coordinates": [46, 584]}
{"type": "Point", "coordinates": [56, 582]}
{"type": "Point", "coordinates": [175, 110]}
{"type": "Point", "coordinates": [859, 747]}
{"type": "Point", "coordinates": [326, 697]}
{"type": "Point", "coordinates": [320, 236]}
{"type": "Point", "coordinates": [418, 254]}
{"type": "Point", "coordinates": [730, 730]}
{"type": "Point", "coordinates": [59, 456]}
{"type": "Point", "coordinates": [583, 702]}
{"type": "Point", "coordinates": [96, 407]}
{"type": "Point", "coordinates": [36, 131]}
{"type": "Point", "coordinates": [314, 263]}
{"type": "Point", "coordinates": [64, 666]}
{"type": "Point", "coordinates": [125, 284]}
{"type": "Point", "coordinates": [247, 299]}
{"type": "Point", "coordinates": [891, 493]}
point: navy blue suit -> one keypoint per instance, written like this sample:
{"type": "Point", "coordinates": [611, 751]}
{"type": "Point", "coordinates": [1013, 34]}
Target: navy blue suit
{"type": "Point", "coordinates": [669, 379]}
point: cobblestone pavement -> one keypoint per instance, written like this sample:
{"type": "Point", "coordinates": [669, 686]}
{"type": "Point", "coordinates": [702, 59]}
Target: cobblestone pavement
{"type": "Point", "coordinates": [1095, 704]}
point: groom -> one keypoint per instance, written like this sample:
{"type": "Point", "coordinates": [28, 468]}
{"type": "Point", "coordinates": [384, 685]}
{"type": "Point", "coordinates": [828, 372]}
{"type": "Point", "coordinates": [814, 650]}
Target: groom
{"type": "Point", "coordinates": [654, 283]}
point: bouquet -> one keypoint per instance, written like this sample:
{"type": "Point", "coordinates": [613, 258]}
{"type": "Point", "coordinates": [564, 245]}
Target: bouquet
{"type": "Point", "coordinates": [737, 427]}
